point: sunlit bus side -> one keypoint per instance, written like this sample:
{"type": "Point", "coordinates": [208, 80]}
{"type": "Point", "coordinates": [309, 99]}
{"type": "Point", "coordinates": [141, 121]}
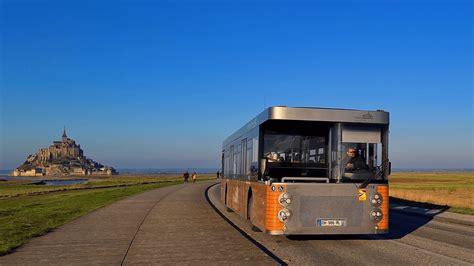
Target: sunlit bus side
{"type": "Point", "coordinates": [309, 171]}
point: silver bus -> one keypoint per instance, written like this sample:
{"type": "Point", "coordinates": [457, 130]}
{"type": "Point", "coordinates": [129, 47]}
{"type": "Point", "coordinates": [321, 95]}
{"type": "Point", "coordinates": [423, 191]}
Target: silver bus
{"type": "Point", "coordinates": [294, 170]}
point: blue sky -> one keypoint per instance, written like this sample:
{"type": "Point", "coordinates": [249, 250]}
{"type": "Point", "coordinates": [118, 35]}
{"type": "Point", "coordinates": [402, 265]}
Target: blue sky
{"type": "Point", "coordinates": [145, 84]}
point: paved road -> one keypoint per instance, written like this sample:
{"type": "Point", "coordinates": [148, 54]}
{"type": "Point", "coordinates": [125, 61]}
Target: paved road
{"type": "Point", "coordinates": [173, 225]}
{"type": "Point", "coordinates": [413, 240]}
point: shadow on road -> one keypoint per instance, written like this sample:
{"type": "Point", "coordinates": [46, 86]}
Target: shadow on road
{"type": "Point", "coordinates": [408, 216]}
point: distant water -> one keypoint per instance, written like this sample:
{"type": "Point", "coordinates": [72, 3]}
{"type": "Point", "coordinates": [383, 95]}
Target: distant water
{"type": "Point", "coordinates": [60, 182]}
{"type": "Point", "coordinates": [142, 171]}
{"type": "Point", "coordinates": [4, 172]}
{"type": "Point", "coordinates": [3, 176]}
{"type": "Point", "coordinates": [7, 177]}
{"type": "Point", "coordinates": [46, 182]}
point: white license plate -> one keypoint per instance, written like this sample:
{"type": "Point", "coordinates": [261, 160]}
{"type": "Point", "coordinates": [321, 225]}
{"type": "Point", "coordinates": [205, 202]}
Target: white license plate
{"type": "Point", "coordinates": [331, 222]}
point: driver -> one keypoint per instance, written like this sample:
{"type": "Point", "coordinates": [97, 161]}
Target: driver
{"type": "Point", "coordinates": [354, 161]}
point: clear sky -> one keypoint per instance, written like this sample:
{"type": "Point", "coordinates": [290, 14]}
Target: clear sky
{"type": "Point", "coordinates": [141, 84]}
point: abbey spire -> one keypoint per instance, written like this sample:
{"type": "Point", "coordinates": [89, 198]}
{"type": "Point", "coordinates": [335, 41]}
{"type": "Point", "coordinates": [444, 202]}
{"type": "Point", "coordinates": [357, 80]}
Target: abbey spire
{"type": "Point", "coordinates": [64, 134]}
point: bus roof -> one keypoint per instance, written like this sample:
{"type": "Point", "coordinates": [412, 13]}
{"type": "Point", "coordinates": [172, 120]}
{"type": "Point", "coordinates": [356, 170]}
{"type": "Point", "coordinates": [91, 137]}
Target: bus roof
{"type": "Point", "coordinates": [312, 114]}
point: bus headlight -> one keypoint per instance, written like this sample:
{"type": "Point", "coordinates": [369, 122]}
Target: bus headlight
{"type": "Point", "coordinates": [376, 215]}
{"type": "Point", "coordinates": [284, 215]}
{"type": "Point", "coordinates": [376, 199]}
{"type": "Point", "coordinates": [284, 199]}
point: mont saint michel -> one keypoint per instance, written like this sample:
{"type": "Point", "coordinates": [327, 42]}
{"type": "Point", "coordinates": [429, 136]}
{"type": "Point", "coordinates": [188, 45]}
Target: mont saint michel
{"type": "Point", "coordinates": [63, 157]}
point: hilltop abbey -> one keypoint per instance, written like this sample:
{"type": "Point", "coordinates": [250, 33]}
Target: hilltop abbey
{"type": "Point", "coordinates": [63, 157]}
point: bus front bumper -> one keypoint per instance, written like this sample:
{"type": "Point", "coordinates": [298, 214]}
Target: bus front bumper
{"type": "Point", "coordinates": [333, 209]}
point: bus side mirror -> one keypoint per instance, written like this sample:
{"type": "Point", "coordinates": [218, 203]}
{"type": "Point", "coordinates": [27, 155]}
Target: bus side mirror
{"type": "Point", "coordinates": [263, 166]}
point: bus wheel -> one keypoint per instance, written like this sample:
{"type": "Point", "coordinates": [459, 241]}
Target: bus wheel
{"type": "Point", "coordinates": [225, 201]}
{"type": "Point", "coordinates": [249, 214]}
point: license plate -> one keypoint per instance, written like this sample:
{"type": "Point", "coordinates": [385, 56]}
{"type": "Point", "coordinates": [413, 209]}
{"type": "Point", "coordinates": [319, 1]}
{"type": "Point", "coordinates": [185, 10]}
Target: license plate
{"type": "Point", "coordinates": [331, 222]}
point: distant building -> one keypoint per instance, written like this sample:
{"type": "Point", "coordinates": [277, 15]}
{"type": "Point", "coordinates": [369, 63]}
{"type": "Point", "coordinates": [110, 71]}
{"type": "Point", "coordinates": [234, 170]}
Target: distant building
{"type": "Point", "coordinates": [63, 157]}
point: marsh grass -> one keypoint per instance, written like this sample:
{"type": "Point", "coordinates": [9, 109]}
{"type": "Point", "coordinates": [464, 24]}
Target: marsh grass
{"type": "Point", "coordinates": [16, 188]}
{"type": "Point", "coordinates": [27, 211]}
{"type": "Point", "coordinates": [454, 190]}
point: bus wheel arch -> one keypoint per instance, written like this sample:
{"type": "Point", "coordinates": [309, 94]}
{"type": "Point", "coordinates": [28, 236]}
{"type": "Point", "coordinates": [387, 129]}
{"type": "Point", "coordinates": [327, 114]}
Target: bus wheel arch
{"type": "Point", "coordinates": [228, 209]}
{"type": "Point", "coordinates": [249, 204]}
{"type": "Point", "coordinates": [225, 195]}
{"type": "Point", "coordinates": [250, 210]}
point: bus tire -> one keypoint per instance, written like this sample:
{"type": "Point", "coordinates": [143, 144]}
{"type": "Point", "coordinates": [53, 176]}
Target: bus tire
{"type": "Point", "coordinates": [225, 201]}
{"type": "Point", "coordinates": [249, 213]}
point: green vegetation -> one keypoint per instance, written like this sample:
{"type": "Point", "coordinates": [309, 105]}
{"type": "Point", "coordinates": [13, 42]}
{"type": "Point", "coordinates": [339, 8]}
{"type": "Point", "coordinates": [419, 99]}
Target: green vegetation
{"type": "Point", "coordinates": [27, 211]}
{"type": "Point", "coordinates": [455, 190]}
{"type": "Point", "coordinates": [23, 187]}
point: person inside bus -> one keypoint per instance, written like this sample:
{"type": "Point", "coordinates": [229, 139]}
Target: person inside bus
{"type": "Point", "coordinates": [354, 161]}
{"type": "Point", "coordinates": [272, 157]}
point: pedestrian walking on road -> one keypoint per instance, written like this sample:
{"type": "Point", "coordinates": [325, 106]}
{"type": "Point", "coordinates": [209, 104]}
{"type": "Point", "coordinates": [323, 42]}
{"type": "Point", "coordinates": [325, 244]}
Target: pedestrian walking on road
{"type": "Point", "coordinates": [218, 174]}
{"type": "Point", "coordinates": [186, 177]}
{"type": "Point", "coordinates": [195, 176]}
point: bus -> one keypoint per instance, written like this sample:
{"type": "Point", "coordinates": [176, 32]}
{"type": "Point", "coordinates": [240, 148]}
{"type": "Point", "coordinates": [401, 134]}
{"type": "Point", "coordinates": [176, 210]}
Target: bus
{"type": "Point", "coordinates": [303, 171]}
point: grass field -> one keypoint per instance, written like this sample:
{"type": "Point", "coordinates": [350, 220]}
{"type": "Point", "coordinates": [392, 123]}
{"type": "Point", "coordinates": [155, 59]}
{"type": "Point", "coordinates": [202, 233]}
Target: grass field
{"type": "Point", "coordinates": [22, 187]}
{"type": "Point", "coordinates": [455, 190]}
{"type": "Point", "coordinates": [27, 211]}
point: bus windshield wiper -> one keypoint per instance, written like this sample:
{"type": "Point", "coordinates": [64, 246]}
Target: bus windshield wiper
{"type": "Point", "coordinates": [378, 173]}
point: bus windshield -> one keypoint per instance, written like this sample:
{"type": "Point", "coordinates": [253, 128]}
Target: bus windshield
{"type": "Point", "coordinates": [294, 150]}
{"type": "Point", "coordinates": [340, 152]}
